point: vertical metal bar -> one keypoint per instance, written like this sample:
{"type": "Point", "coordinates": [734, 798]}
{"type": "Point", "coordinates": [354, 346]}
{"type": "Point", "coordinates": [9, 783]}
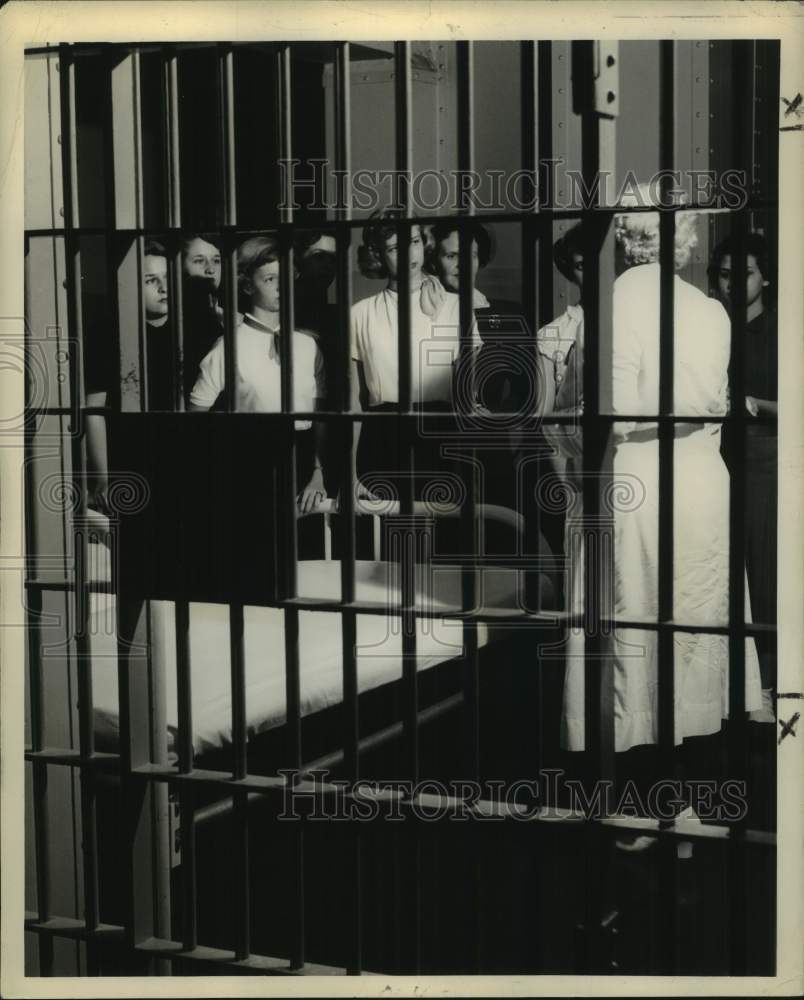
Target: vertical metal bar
{"type": "Point", "coordinates": [170, 80]}
{"type": "Point", "coordinates": [539, 306]}
{"type": "Point", "coordinates": [404, 164]}
{"type": "Point", "coordinates": [403, 109]}
{"type": "Point", "coordinates": [343, 162]}
{"type": "Point", "coordinates": [238, 667]}
{"type": "Point", "coordinates": [288, 497]}
{"type": "Point", "coordinates": [39, 770]}
{"type": "Point", "coordinates": [230, 323]}
{"type": "Point", "coordinates": [170, 70]}
{"type": "Point", "coordinates": [469, 583]}
{"type": "Point", "coordinates": [665, 637]}
{"type": "Point", "coordinates": [738, 734]}
{"type": "Point", "coordinates": [598, 161]}
{"type": "Point", "coordinates": [468, 522]}
{"type": "Point", "coordinates": [132, 638]}
{"type": "Point", "coordinates": [139, 243]}
{"type": "Point", "coordinates": [544, 111]}
{"type": "Point", "coordinates": [81, 591]}
{"type": "Point", "coordinates": [351, 736]}
{"type": "Point", "coordinates": [226, 71]}
{"type": "Point", "coordinates": [185, 752]}
{"type": "Point", "coordinates": [286, 284]}
{"type": "Point", "coordinates": [407, 554]}
{"type": "Point", "coordinates": [226, 98]}
{"type": "Point", "coordinates": [143, 735]}
{"type": "Point", "coordinates": [239, 771]}
{"type": "Point", "coordinates": [530, 63]}
{"type": "Point", "coordinates": [292, 688]}
{"type": "Point", "coordinates": [176, 299]}
{"type": "Point", "coordinates": [293, 703]}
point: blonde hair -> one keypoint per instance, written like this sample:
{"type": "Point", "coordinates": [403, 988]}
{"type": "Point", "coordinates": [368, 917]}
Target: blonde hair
{"type": "Point", "coordinates": [638, 233]}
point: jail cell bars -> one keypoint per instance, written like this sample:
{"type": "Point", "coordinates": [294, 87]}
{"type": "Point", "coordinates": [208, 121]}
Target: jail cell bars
{"type": "Point", "coordinates": [56, 441]}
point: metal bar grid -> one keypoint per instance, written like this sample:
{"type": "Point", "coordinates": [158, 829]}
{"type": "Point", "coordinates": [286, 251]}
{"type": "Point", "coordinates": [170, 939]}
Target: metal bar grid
{"type": "Point", "coordinates": [86, 757]}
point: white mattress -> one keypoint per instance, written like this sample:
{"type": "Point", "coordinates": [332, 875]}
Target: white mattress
{"type": "Point", "coordinates": [379, 647]}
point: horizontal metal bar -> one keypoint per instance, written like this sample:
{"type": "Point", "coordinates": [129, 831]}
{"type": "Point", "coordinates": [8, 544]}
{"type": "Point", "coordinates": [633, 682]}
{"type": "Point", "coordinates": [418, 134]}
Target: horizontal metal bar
{"type": "Point", "coordinates": [497, 616]}
{"type": "Point", "coordinates": [449, 805]}
{"type": "Point", "coordinates": [62, 585]}
{"type": "Point", "coordinates": [558, 213]}
{"type": "Point", "coordinates": [72, 758]}
{"type": "Point", "coordinates": [70, 927]}
{"type": "Point", "coordinates": [174, 950]}
{"type": "Point", "coordinates": [416, 415]}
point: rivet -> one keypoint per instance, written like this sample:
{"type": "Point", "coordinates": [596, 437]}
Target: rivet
{"type": "Point", "coordinates": [610, 61]}
{"type": "Point", "coordinates": [611, 96]}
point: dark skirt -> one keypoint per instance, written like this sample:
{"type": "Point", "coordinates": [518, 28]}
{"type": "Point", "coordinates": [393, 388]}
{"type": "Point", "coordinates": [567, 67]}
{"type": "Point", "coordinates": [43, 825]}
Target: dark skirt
{"type": "Point", "coordinates": [382, 463]}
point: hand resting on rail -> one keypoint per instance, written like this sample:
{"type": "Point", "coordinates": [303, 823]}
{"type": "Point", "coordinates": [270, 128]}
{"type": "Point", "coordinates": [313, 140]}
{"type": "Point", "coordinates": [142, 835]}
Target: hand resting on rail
{"type": "Point", "coordinates": [435, 508]}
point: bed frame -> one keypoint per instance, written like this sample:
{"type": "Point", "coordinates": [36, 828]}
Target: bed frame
{"type": "Point", "coordinates": [290, 860]}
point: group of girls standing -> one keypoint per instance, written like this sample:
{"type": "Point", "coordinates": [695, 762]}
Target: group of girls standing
{"type": "Point", "coordinates": [702, 342]}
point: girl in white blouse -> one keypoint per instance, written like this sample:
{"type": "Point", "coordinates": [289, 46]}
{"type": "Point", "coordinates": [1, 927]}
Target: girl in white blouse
{"type": "Point", "coordinates": [435, 347]}
{"type": "Point", "coordinates": [259, 379]}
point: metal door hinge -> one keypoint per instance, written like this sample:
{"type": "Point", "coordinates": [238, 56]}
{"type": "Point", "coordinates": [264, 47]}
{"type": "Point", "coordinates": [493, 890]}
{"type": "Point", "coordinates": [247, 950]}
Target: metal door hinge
{"type": "Point", "coordinates": [596, 78]}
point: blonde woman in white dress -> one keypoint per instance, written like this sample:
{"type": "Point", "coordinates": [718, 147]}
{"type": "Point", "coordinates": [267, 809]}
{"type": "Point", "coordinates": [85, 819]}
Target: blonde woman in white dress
{"type": "Point", "coordinates": [702, 337]}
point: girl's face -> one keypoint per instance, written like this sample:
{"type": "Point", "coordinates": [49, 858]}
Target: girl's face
{"type": "Point", "coordinates": [416, 254]}
{"type": "Point", "coordinates": [448, 262]}
{"type": "Point", "coordinates": [265, 287]}
{"type": "Point", "coordinates": [754, 282]}
{"type": "Point", "coordinates": [203, 260]}
{"type": "Point", "coordinates": [154, 287]}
